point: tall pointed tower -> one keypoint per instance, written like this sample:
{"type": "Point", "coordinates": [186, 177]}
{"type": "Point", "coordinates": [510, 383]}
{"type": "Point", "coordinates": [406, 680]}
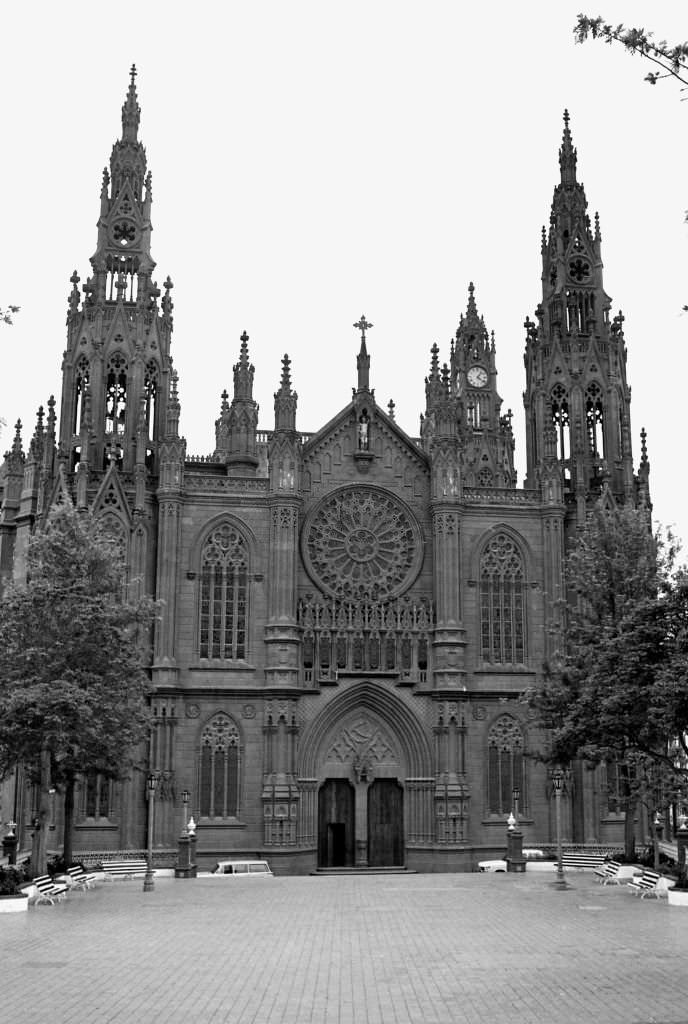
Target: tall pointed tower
{"type": "Point", "coordinates": [486, 434]}
{"type": "Point", "coordinates": [117, 367]}
{"type": "Point", "coordinates": [577, 399]}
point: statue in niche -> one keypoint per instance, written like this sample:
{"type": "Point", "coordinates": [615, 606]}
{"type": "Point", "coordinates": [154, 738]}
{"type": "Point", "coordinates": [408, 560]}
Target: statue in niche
{"type": "Point", "coordinates": [363, 432]}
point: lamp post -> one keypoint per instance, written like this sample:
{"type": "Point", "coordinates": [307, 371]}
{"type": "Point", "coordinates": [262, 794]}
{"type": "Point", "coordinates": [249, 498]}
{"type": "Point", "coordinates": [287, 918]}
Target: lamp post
{"type": "Point", "coordinates": [558, 783]}
{"type": "Point", "coordinates": [148, 882]}
{"type": "Point", "coordinates": [516, 794]}
{"type": "Point", "coordinates": [185, 802]}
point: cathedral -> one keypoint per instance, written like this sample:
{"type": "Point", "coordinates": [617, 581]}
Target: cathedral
{"type": "Point", "coordinates": [350, 615]}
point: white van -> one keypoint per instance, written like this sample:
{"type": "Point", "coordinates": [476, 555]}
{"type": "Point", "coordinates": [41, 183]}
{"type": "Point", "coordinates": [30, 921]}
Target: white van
{"type": "Point", "coordinates": [254, 868]}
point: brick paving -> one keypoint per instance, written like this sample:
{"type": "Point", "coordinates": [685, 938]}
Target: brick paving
{"type": "Point", "coordinates": [379, 949]}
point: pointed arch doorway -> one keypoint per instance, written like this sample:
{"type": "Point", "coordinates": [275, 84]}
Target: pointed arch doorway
{"type": "Point", "coordinates": [336, 824]}
{"type": "Point", "coordinates": [385, 824]}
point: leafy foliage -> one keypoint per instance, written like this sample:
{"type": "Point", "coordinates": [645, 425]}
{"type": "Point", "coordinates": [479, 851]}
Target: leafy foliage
{"type": "Point", "coordinates": [73, 692]}
{"type": "Point", "coordinates": [672, 59]}
{"type": "Point", "coordinates": [7, 314]}
{"type": "Point", "coordinates": [619, 690]}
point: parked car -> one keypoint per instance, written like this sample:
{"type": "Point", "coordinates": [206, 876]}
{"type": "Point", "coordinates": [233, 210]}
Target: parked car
{"type": "Point", "coordinates": [500, 864]}
{"type": "Point", "coordinates": [245, 868]}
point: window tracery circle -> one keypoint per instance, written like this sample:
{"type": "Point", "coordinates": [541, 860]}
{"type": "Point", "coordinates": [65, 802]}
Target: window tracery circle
{"type": "Point", "coordinates": [362, 543]}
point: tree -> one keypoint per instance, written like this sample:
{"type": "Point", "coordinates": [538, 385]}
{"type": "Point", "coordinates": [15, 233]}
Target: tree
{"type": "Point", "coordinates": [671, 59]}
{"type": "Point", "coordinates": [73, 690]}
{"type": "Point", "coordinates": [618, 691]}
{"type": "Point", "coordinates": [7, 314]}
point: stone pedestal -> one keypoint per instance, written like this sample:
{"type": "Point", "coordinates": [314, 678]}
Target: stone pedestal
{"type": "Point", "coordinates": [186, 857]}
{"type": "Point", "coordinates": [9, 848]}
{"type": "Point", "coordinates": [682, 847]}
{"type": "Point", "coordinates": [515, 861]}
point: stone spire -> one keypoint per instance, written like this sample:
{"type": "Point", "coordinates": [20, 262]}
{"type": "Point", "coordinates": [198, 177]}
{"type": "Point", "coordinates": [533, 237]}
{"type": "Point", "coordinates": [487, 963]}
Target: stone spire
{"type": "Point", "coordinates": [363, 359]}
{"type": "Point", "coordinates": [243, 373]}
{"type": "Point", "coordinates": [285, 400]}
{"type": "Point", "coordinates": [131, 112]}
{"type": "Point", "coordinates": [567, 156]}
{"type": "Point", "coordinates": [235, 430]}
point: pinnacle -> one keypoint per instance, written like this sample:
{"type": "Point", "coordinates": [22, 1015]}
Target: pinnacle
{"type": "Point", "coordinates": [567, 156]}
{"type": "Point", "coordinates": [285, 384]}
{"type": "Point", "coordinates": [131, 112]}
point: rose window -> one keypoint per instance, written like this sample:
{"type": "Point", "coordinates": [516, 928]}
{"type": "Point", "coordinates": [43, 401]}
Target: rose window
{"type": "Point", "coordinates": [361, 542]}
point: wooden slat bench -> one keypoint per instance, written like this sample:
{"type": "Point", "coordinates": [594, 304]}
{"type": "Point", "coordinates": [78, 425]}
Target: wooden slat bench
{"type": "Point", "coordinates": [607, 871]}
{"type": "Point", "coordinates": [650, 883]}
{"type": "Point", "coordinates": [124, 868]}
{"type": "Point", "coordinates": [582, 860]}
{"type": "Point", "coordinates": [79, 879]}
{"type": "Point", "coordinates": [48, 891]}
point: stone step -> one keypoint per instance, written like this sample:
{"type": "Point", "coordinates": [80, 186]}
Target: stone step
{"type": "Point", "coordinates": [364, 871]}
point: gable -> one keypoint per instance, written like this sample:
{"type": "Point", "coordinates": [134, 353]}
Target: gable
{"type": "Point", "coordinates": [362, 443]}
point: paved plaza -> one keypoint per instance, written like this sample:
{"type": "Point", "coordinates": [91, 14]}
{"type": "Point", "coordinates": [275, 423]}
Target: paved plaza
{"type": "Point", "coordinates": [377, 949]}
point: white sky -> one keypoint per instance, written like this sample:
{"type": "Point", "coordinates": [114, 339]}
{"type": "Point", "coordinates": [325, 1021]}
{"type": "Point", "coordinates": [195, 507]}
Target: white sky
{"type": "Point", "coordinates": [313, 161]}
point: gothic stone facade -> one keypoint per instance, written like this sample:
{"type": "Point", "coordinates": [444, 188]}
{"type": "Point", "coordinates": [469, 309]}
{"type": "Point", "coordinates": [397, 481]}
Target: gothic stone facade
{"type": "Point", "coordinates": [350, 616]}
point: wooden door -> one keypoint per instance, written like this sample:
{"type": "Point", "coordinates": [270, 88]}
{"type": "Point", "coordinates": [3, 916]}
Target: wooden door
{"type": "Point", "coordinates": [336, 824]}
{"type": "Point", "coordinates": [385, 824]}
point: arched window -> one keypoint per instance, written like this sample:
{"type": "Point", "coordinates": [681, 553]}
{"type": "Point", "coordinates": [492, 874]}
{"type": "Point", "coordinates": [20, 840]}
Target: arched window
{"type": "Point", "coordinates": [594, 418]}
{"type": "Point", "coordinates": [150, 390]}
{"type": "Point", "coordinates": [560, 419]}
{"type": "Point", "coordinates": [224, 595]}
{"type": "Point", "coordinates": [219, 768]}
{"type": "Point", "coordinates": [81, 384]}
{"type": "Point", "coordinates": [96, 797]}
{"type": "Point", "coordinates": [116, 394]}
{"type": "Point", "coordinates": [504, 765]}
{"type": "Point", "coordinates": [502, 603]}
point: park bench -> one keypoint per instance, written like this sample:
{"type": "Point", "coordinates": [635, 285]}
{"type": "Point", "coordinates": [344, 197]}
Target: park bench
{"type": "Point", "coordinates": [79, 879]}
{"type": "Point", "coordinates": [650, 883]}
{"type": "Point", "coordinates": [47, 891]}
{"type": "Point", "coordinates": [124, 868]}
{"type": "Point", "coordinates": [607, 872]}
{"type": "Point", "coordinates": [582, 860]}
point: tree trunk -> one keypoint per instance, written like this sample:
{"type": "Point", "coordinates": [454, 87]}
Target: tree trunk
{"type": "Point", "coordinates": [629, 829]}
{"type": "Point", "coordinates": [39, 845]}
{"type": "Point", "coordinates": [68, 821]}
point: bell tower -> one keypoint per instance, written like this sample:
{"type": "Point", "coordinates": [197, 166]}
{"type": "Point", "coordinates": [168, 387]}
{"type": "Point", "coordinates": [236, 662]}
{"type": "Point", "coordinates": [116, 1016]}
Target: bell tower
{"type": "Point", "coordinates": [577, 398]}
{"type": "Point", "coordinates": [486, 435]}
{"type": "Point", "coordinates": [117, 367]}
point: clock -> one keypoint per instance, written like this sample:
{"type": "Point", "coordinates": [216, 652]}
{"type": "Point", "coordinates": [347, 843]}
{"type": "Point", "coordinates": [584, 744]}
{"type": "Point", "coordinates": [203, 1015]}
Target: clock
{"type": "Point", "coordinates": [477, 376]}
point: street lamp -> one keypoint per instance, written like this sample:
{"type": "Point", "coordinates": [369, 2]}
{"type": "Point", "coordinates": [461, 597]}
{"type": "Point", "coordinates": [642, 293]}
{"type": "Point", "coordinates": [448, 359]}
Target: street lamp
{"type": "Point", "coordinates": [516, 794]}
{"type": "Point", "coordinates": [148, 882]}
{"type": "Point", "coordinates": [558, 783]}
{"type": "Point", "coordinates": [185, 801]}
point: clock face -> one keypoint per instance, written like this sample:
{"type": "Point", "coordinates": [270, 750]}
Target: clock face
{"type": "Point", "coordinates": [477, 377]}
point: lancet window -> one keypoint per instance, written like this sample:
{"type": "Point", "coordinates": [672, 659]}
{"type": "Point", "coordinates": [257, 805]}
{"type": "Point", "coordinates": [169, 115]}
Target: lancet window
{"type": "Point", "coordinates": [561, 421]}
{"type": "Point", "coordinates": [219, 768]}
{"type": "Point", "coordinates": [365, 636]}
{"type": "Point", "coordinates": [122, 278]}
{"type": "Point", "coordinates": [224, 595]}
{"type": "Point", "coordinates": [81, 382]}
{"type": "Point", "coordinates": [502, 603]}
{"type": "Point", "coordinates": [504, 765]}
{"type": "Point", "coordinates": [150, 390]}
{"type": "Point", "coordinates": [96, 796]}
{"type": "Point", "coordinates": [594, 418]}
{"type": "Point", "coordinates": [116, 394]}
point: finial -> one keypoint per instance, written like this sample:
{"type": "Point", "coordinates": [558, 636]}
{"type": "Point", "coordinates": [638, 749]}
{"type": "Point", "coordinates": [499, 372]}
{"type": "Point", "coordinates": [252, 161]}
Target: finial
{"type": "Point", "coordinates": [363, 326]}
{"type": "Point", "coordinates": [131, 112]}
{"type": "Point", "coordinates": [471, 299]}
{"type": "Point", "coordinates": [643, 446]}
{"type": "Point", "coordinates": [285, 383]}
{"type": "Point", "coordinates": [390, 408]}
{"type": "Point", "coordinates": [225, 403]}
{"type": "Point", "coordinates": [598, 233]}
{"type": "Point", "coordinates": [434, 360]}
{"type": "Point", "coordinates": [17, 443]}
{"type": "Point", "coordinates": [567, 156]}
